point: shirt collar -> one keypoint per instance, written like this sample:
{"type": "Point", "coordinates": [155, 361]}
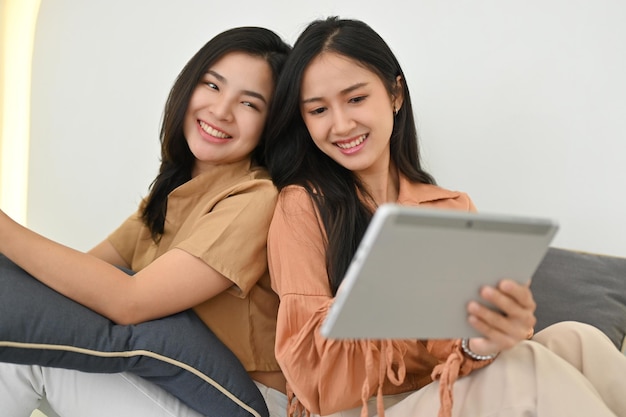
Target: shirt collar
{"type": "Point", "coordinates": [411, 193]}
{"type": "Point", "coordinates": [217, 176]}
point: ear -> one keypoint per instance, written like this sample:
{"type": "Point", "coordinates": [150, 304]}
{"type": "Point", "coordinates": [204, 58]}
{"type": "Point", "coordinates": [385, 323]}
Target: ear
{"type": "Point", "coordinates": [397, 99]}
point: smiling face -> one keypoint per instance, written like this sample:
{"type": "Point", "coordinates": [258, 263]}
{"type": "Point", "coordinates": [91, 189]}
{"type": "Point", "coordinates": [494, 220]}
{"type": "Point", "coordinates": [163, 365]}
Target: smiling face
{"type": "Point", "coordinates": [227, 110]}
{"type": "Point", "coordinates": [348, 112]}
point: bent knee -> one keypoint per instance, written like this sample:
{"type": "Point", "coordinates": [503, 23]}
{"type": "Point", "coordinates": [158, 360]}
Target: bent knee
{"type": "Point", "coordinates": [570, 331]}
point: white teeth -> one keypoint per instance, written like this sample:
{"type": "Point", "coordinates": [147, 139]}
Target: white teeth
{"type": "Point", "coordinates": [352, 144]}
{"type": "Point", "coordinates": [213, 132]}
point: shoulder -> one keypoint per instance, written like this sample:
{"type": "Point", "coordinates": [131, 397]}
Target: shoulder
{"type": "Point", "coordinates": [295, 210]}
{"type": "Point", "coordinates": [295, 199]}
{"type": "Point", "coordinates": [256, 180]}
{"type": "Point", "coordinates": [237, 188]}
{"type": "Point", "coordinates": [435, 196]}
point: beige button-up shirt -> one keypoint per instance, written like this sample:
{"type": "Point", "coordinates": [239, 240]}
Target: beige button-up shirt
{"type": "Point", "coordinates": [222, 217]}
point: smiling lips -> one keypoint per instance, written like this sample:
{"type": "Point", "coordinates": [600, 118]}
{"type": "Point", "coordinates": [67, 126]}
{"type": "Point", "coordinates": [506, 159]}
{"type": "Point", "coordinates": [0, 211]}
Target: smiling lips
{"type": "Point", "coordinates": [348, 145]}
{"type": "Point", "coordinates": [212, 131]}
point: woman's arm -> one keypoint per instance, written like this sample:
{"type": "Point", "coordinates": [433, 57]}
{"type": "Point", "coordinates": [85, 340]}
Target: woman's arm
{"type": "Point", "coordinates": [107, 252]}
{"type": "Point", "coordinates": [325, 375]}
{"type": "Point", "coordinates": [331, 375]}
{"type": "Point", "coordinates": [221, 245]}
{"type": "Point", "coordinates": [172, 283]}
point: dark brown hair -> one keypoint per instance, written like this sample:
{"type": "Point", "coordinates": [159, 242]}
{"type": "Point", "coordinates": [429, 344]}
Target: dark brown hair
{"type": "Point", "coordinates": [176, 158]}
{"type": "Point", "coordinates": [293, 158]}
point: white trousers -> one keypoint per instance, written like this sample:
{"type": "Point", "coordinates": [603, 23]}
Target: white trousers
{"type": "Point", "coordinates": [67, 393]}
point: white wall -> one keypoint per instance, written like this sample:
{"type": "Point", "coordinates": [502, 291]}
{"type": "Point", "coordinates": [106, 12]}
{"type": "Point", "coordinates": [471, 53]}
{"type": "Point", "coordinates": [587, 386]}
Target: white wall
{"type": "Point", "coordinates": [521, 104]}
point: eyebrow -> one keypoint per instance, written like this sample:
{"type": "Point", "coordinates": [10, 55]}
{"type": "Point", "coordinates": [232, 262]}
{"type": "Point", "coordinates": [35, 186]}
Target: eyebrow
{"type": "Point", "coordinates": [342, 92]}
{"type": "Point", "coordinates": [250, 93]}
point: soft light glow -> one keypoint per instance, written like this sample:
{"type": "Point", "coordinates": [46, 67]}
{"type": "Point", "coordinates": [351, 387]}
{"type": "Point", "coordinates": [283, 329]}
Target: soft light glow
{"type": "Point", "coordinates": [17, 33]}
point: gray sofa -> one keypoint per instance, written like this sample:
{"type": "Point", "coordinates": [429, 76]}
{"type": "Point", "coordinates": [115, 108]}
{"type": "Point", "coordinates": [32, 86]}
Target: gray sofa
{"type": "Point", "coordinates": [585, 287]}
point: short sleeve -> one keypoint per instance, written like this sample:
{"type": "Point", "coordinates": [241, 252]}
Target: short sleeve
{"type": "Point", "coordinates": [231, 236]}
{"type": "Point", "coordinates": [126, 237]}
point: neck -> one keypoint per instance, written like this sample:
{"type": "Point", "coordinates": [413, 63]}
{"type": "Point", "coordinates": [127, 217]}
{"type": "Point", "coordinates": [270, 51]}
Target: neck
{"type": "Point", "coordinates": [383, 186]}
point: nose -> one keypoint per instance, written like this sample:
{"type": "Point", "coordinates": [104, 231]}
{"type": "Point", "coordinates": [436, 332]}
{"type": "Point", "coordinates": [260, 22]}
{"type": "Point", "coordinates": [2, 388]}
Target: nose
{"type": "Point", "coordinates": [222, 108]}
{"type": "Point", "coordinates": [342, 122]}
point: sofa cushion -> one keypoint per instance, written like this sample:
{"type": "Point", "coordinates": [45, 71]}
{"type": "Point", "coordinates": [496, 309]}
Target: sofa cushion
{"type": "Point", "coordinates": [584, 287]}
{"type": "Point", "coordinates": [39, 326]}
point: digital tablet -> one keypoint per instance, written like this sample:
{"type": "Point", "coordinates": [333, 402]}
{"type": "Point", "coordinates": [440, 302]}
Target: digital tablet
{"type": "Point", "coordinates": [416, 269]}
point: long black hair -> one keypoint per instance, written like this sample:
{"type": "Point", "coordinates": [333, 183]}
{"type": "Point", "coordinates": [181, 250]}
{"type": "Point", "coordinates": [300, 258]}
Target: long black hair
{"type": "Point", "coordinates": [177, 161]}
{"type": "Point", "coordinates": [293, 158]}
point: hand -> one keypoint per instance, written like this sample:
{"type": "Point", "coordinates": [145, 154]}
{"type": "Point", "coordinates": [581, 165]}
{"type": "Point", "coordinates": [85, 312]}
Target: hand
{"type": "Point", "coordinates": [511, 323]}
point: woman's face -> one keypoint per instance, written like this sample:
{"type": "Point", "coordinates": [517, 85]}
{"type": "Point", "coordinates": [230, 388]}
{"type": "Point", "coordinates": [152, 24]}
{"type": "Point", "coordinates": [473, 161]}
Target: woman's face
{"type": "Point", "coordinates": [227, 110]}
{"type": "Point", "coordinates": [348, 112]}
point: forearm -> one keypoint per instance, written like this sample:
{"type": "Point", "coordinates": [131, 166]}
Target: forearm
{"type": "Point", "coordinates": [326, 376]}
{"type": "Point", "coordinates": [79, 276]}
{"type": "Point", "coordinates": [107, 252]}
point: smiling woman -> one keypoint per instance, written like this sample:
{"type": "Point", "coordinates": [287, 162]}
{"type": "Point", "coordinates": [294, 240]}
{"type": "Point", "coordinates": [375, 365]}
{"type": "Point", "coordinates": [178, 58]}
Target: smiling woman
{"type": "Point", "coordinates": [342, 142]}
{"type": "Point", "coordinates": [17, 30]}
{"type": "Point", "coordinates": [199, 297]}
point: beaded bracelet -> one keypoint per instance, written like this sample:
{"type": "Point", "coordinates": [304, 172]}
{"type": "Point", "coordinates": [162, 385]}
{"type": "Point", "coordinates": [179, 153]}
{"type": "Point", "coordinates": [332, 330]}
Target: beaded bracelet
{"type": "Point", "coordinates": [475, 356]}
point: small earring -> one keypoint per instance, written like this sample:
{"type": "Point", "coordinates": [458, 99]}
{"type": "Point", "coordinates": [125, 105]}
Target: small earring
{"type": "Point", "coordinates": [395, 111]}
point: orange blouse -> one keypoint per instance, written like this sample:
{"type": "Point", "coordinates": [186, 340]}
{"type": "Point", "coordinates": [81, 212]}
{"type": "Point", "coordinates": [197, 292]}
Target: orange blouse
{"type": "Point", "coordinates": [325, 375]}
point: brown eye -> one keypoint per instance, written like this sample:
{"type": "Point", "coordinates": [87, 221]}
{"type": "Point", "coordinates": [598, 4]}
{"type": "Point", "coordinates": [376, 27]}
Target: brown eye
{"type": "Point", "coordinates": [357, 99]}
{"type": "Point", "coordinates": [250, 104]}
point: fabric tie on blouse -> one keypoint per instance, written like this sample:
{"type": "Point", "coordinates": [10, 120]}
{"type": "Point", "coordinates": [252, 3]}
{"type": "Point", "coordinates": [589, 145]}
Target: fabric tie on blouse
{"type": "Point", "coordinates": [447, 373]}
{"type": "Point", "coordinates": [391, 365]}
{"type": "Point", "coordinates": [386, 363]}
{"type": "Point", "coordinates": [295, 407]}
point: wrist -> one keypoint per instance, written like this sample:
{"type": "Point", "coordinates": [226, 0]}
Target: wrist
{"type": "Point", "coordinates": [472, 355]}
